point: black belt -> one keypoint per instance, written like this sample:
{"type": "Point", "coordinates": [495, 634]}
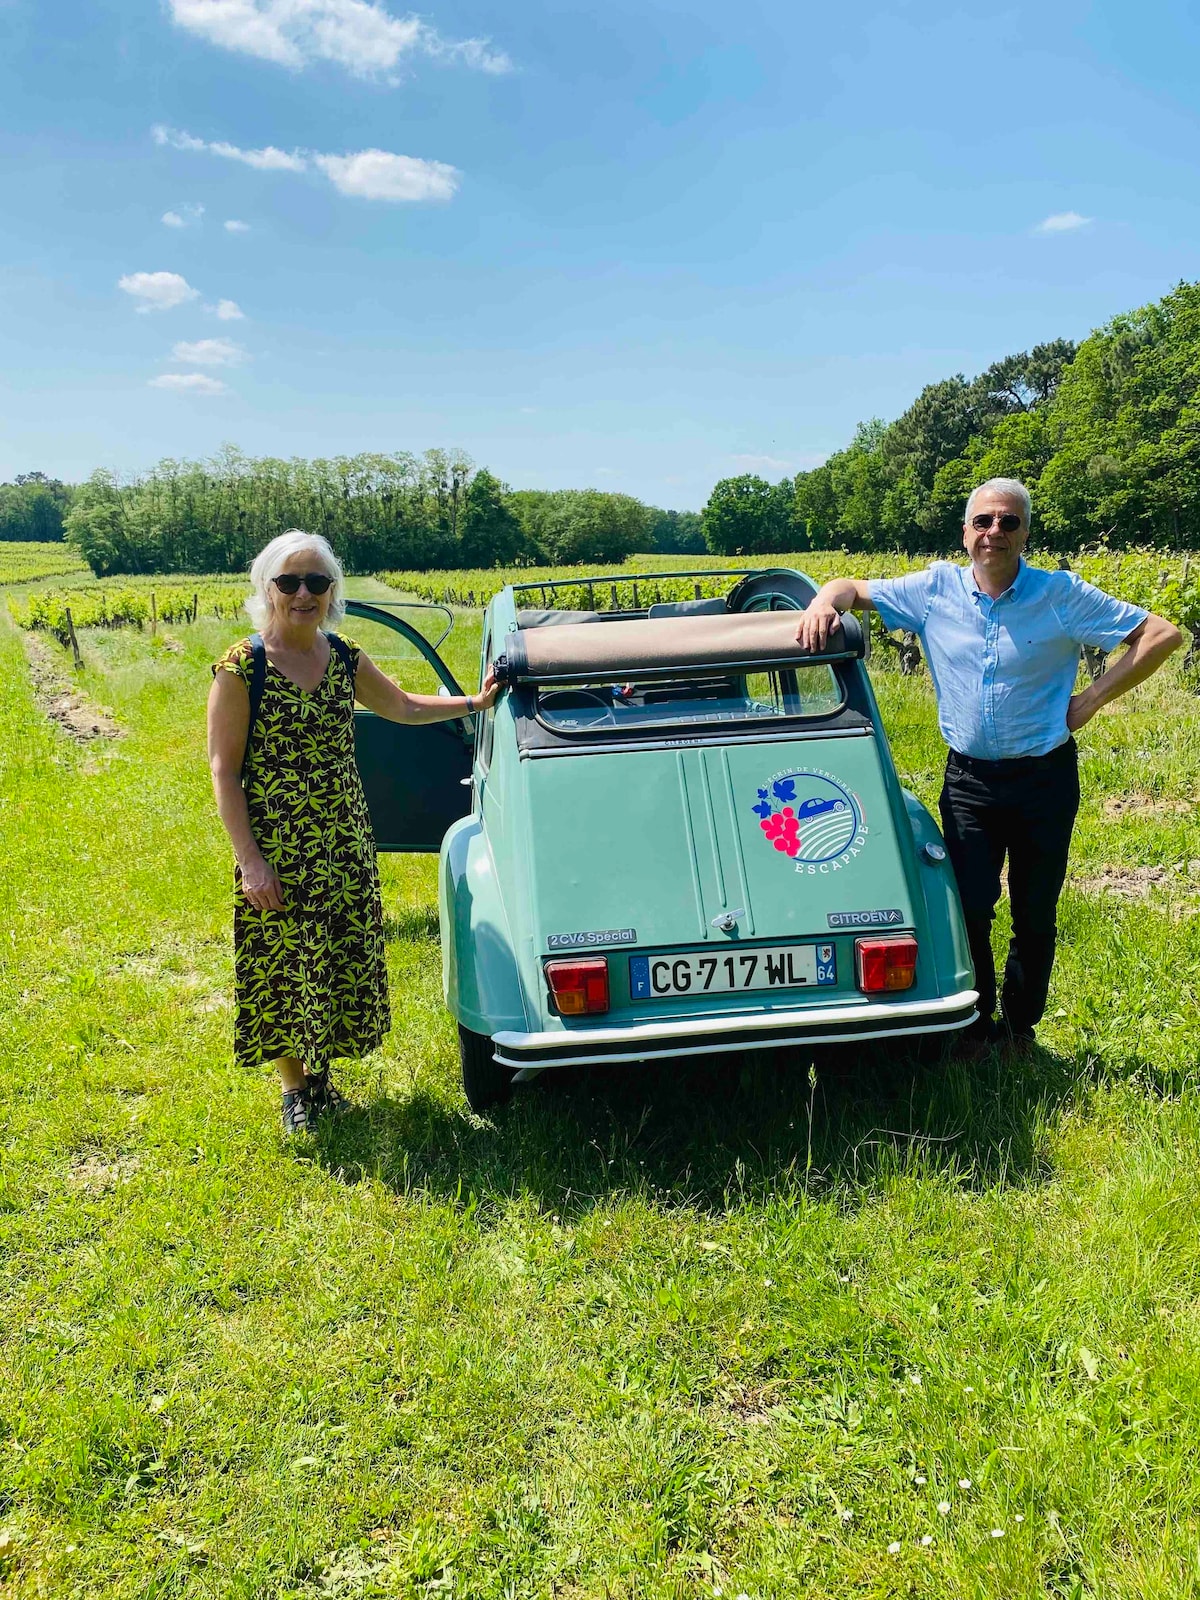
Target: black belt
{"type": "Point", "coordinates": [1015, 764]}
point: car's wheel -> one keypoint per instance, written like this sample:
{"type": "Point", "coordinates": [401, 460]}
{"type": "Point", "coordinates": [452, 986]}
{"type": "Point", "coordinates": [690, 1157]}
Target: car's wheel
{"type": "Point", "coordinates": [485, 1082]}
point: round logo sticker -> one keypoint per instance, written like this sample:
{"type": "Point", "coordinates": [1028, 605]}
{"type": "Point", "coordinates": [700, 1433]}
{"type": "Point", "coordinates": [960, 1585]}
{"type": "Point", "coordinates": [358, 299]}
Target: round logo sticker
{"type": "Point", "coordinates": [809, 817]}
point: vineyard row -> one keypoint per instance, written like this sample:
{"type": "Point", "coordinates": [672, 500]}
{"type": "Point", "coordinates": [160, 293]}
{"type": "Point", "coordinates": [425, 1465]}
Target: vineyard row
{"type": "Point", "coordinates": [101, 607]}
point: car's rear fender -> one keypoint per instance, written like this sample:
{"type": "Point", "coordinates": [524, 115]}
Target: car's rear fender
{"type": "Point", "coordinates": [944, 925]}
{"type": "Point", "coordinates": [481, 977]}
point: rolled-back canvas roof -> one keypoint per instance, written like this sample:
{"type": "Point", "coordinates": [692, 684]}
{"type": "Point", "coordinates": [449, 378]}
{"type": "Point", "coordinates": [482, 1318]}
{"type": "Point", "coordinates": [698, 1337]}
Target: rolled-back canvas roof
{"type": "Point", "coordinates": [656, 647]}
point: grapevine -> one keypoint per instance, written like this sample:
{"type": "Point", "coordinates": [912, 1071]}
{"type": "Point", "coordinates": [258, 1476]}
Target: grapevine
{"type": "Point", "coordinates": [101, 607]}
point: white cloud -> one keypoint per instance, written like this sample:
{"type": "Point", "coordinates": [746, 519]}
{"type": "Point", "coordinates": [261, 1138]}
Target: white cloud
{"type": "Point", "coordinates": [227, 311]}
{"type": "Point", "coordinates": [1062, 222]}
{"type": "Point", "coordinates": [234, 226]}
{"type": "Point", "coordinates": [379, 175]}
{"type": "Point", "coordinates": [208, 353]}
{"type": "Point", "coordinates": [356, 34]}
{"type": "Point", "coordinates": [762, 464]}
{"type": "Point", "coordinates": [186, 217]}
{"type": "Point", "coordinates": [364, 174]}
{"type": "Point", "coordinates": [268, 159]}
{"type": "Point", "coordinates": [189, 383]}
{"type": "Point", "coordinates": [157, 291]}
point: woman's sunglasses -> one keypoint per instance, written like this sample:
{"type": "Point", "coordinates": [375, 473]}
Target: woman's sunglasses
{"type": "Point", "coordinates": [314, 582]}
{"type": "Point", "coordinates": [1007, 521]}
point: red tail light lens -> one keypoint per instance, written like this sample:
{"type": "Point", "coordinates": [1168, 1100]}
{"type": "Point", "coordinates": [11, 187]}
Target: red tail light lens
{"type": "Point", "coordinates": [579, 988]}
{"type": "Point", "coordinates": [885, 965]}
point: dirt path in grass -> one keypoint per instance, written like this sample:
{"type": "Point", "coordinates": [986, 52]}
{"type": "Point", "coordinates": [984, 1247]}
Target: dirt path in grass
{"type": "Point", "coordinates": [57, 699]}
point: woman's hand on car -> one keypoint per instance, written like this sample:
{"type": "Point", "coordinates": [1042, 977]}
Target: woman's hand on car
{"type": "Point", "coordinates": [817, 623]}
{"type": "Point", "coordinates": [489, 694]}
{"type": "Point", "coordinates": [261, 885]}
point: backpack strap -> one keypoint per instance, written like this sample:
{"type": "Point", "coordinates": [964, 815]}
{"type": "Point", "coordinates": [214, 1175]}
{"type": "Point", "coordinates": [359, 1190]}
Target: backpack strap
{"type": "Point", "coordinates": [258, 682]}
{"type": "Point", "coordinates": [344, 653]}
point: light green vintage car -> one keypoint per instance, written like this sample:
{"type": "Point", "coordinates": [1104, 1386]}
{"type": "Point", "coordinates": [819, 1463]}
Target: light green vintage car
{"type": "Point", "coordinates": [675, 833]}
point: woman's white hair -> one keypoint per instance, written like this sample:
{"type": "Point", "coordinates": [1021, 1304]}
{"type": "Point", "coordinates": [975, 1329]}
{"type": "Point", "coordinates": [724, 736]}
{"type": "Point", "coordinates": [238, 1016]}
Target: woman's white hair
{"type": "Point", "coordinates": [268, 561]}
{"type": "Point", "coordinates": [1001, 486]}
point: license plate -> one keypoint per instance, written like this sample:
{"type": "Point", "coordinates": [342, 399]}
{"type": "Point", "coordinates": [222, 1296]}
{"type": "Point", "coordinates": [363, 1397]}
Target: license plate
{"type": "Point", "coordinates": [778, 966]}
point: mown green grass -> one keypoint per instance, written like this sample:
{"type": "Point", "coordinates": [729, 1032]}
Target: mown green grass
{"type": "Point", "coordinates": [645, 1333]}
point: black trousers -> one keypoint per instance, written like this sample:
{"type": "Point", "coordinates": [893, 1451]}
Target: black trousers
{"type": "Point", "coordinates": [1025, 809]}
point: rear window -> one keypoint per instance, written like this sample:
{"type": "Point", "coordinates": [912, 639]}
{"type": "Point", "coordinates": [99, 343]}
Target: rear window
{"type": "Point", "coordinates": [755, 697]}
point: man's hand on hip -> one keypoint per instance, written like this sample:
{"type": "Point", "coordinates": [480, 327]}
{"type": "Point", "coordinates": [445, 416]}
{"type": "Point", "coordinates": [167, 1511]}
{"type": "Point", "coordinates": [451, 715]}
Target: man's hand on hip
{"type": "Point", "coordinates": [1081, 708]}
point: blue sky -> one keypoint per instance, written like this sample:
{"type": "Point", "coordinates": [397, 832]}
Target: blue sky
{"type": "Point", "coordinates": [641, 246]}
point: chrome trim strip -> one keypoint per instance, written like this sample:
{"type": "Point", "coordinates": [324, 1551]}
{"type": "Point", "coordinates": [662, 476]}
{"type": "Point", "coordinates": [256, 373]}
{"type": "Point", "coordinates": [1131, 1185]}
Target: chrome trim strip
{"type": "Point", "coordinates": [686, 1027]}
{"type": "Point", "coordinates": [532, 1068]}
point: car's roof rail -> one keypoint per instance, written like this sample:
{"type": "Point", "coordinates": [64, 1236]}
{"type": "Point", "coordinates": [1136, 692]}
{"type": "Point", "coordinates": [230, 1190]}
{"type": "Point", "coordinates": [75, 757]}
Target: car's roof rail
{"type": "Point", "coordinates": [588, 581]}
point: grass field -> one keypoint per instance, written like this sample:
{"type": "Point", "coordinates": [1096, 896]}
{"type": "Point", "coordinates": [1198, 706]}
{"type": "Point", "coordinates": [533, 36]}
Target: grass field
{"type": "Point", "coordinates": [649, 1333]}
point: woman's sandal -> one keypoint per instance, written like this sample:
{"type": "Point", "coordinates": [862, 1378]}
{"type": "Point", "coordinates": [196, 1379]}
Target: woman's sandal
{"type": "Point", "coordinates": [326, 1099]}
{"type": "Point", "coordinates": [299, 1112]}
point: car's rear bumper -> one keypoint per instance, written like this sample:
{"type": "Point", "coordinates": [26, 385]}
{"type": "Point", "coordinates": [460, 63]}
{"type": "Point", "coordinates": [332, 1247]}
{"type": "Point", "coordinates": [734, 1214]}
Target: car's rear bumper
{"type": "Point", "coordinates": [649, 1041]}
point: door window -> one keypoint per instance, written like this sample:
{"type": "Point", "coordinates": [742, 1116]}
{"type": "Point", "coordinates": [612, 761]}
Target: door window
{"type": "Point", "coordinates": [395, 656]}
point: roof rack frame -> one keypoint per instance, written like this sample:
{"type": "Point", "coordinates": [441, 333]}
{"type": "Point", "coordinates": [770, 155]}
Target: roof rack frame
{"type": "Point", "coordinates": [589, 581]}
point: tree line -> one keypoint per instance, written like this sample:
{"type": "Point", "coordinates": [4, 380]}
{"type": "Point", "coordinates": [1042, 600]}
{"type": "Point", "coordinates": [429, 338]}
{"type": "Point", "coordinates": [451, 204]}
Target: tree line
{"type": "Point", "coordinates": [378, 512]}
{"type": "Point", "coordinates": [33, 507]}
{"type": "Point", "coordinates": [1105, 435]}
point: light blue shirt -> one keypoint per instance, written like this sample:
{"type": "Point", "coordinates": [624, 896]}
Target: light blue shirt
{"type": "Point", "coordinates": [1004, 669]}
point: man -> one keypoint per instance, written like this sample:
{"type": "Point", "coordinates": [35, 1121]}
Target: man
{"type": "Point", "coordinates": [1002, 640]}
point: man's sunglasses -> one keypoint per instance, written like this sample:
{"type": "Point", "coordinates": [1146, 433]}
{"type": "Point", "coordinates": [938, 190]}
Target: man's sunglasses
{"type": "Point", "coordinates": [314, 582]}
{"type": "Point", "coordinates": [1007, 521]}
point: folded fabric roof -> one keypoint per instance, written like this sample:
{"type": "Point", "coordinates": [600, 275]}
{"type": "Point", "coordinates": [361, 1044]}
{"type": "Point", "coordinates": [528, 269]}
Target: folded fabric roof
{"type": "Point", "coordinates": [655, 647]}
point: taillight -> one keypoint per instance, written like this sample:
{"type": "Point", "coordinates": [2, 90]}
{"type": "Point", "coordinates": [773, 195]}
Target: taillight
{"type": "Point", "coordinates": [885, 965]}
{"type": "Point", "coordinates": [579, 988]}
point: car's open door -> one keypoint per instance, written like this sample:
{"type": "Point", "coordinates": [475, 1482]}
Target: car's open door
{"type": "Point", "coordinates": [414, 777]}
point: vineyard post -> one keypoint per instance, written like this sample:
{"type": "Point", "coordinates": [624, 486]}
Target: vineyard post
{"type": "Point", "coordinates": [195, 607]}
{"type": "Point", "coordinates": [153, 614]}
{"type": "Point", "coordinates": [613, 592]}
{"type": "Point", "coordinates": [696, 590]}
{"type": "Point", "coordinates": [74, 640]}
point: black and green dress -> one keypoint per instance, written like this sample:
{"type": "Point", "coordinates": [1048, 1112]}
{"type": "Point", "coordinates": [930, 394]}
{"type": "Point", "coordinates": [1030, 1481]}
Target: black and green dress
{"type": "Point", "coordinates": [311, 981]}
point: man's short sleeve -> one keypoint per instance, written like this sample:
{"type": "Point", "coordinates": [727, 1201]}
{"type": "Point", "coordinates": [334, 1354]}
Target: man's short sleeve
{"type": "Point", "coordinates": [1091, 617]}
{"type": "Point", "coordinates": [903, 602]}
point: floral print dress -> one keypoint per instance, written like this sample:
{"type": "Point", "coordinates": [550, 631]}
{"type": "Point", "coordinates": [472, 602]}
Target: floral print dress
{"type": "Point", "coordinates": [311, 981]}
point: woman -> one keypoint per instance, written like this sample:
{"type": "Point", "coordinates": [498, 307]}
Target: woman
{"type": "Point", "coordinates": [311, 977]}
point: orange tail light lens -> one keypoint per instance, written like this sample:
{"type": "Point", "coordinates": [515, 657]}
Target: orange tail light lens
{"type": "Point", "coordinates": [885, 965]}
{"type": "Point", "coordinates": [579, 988]}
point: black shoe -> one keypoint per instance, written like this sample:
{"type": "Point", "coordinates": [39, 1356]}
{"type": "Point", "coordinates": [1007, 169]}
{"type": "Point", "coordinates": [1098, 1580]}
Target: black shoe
{"type": "Point", "coordinates": [299, 1113]}
{"type": "Point", "coordinates": [1019, 1039]}
{"type": "Point", "coordinates": [324, 1097]}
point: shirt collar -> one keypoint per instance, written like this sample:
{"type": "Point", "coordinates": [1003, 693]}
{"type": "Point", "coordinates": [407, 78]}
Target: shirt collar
{"type": "Point", "coordinates": [1014, 589]}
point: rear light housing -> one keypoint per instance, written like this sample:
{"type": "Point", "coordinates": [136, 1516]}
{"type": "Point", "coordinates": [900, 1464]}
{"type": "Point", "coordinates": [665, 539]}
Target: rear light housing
{"type": "Point", "coordinates": [579, 988]}
{"type": "Point", "coordinates": [886, 965]}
